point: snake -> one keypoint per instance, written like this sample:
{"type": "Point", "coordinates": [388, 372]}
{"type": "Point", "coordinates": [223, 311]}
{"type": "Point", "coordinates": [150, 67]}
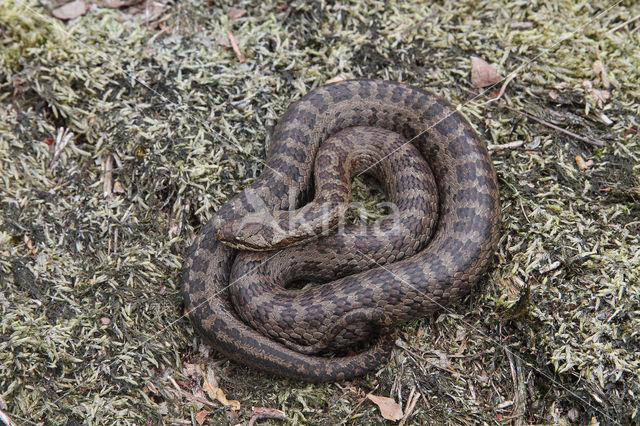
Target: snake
{"type": "Point", "coordinates": [239, 271]}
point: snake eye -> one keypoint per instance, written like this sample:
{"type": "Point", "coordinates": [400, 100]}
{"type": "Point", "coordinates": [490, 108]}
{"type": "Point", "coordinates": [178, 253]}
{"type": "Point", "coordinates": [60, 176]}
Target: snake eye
{"type": "Point", "coordinates": [225, 233]}
{"type": "Point", "coordinates": [248, 229]}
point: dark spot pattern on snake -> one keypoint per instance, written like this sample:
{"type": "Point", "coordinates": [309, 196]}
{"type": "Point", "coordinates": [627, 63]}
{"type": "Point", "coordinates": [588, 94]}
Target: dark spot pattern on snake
{"type": "Point", "coordinates": [236, 299]}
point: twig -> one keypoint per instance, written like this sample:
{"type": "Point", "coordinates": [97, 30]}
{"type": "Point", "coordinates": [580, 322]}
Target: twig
{"type": "Point", "coordinates": [521, 25]}
{"type": "Point", "coordinates": [358, 405]}
{"type": "Point", "coordinates": [193, 397]}
{"type": "Point", "coordinates": [553, 126]}
{"type": "Point", "coordinates": [234, 46]}
{"type": "Point", "coordinates": [411, 404]}
{"type": "Point", "coordinates": [519, 398]}
{"type": "Point", "coordinates": [504, 87]}
{"type": "Point", "coordinates": [107, 176]}
{"type": "Point", "coordinates": [523, 212]}
{"type": "Point", "coordinates": [4, 417]}
{"type": "Point", "coordinates": [513, 144]}
{"type": "Point", "coordinates": [265, 413]}
{"type": "Point", "coordinates": [618, 27]}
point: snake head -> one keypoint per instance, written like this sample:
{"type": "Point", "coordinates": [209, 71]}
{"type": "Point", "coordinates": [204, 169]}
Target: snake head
{"type": "Point", "coordinates": [253, 231]}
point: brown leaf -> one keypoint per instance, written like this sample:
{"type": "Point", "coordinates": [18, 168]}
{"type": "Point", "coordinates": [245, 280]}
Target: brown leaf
{"type": "Point", "coordinates": [211, 387]}
{"type": "Point", "coordinates": [600, 71]}
{"type": "Point", "coordinates": [582, 164]}
{"type": "Point", "coordinates": [71, 10]}
{"type": "Point", "coordinates": [600, 96]}
{"type": "Point", "coordinates": [118, 188]}
{"type": "Point", "coordinates": [389, 409]}
{"type": "Point", "coordinates": [201, 416]}
{"type": "Point", "coordinates": [111, 4]}
{"type": "Point", "coordinates": [234, 13]}
{"type": "Point", "coordinates": [482, 74]}
{"type": "Point", "coordinates": [334, 80]}
{"type": "Point", "coordinates": [191, 370]}
{"type": "Point", "coordinates": [148, 10]}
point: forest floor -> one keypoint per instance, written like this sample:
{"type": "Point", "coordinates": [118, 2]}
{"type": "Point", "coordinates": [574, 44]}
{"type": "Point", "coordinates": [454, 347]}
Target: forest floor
{"type": "Point", "coordinates": [123, 130]}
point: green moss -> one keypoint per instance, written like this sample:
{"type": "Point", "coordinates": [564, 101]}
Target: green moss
{"type": "Point", "coordinates": [170, 125]}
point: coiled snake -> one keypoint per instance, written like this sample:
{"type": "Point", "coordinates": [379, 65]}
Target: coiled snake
{"type": "Point", "coordinates": [237, 299]}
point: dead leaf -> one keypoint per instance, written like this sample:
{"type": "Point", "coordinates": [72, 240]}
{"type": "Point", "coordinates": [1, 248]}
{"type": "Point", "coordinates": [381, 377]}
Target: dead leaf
{"type": "Point", "coordinates": [442, 361]}
{"type": "Point", "coordinates": [118, 188]}
{"type": "Point", "coordinates": [482, 74]}
{"type": "Point", "coordinates": [210, 386]}
{"type": "Point", "coordinates": [389, 409]}
{"type": "Point", "coordinates": [3, 403]}
{"type": "Point", "coordinates": [234, 13]}
{"type": "Point", "coordinates": [71, 10]}
{"type": "Point", "coordinates": [561, 86]}
{"type": "Point", "coordinates": [210, 378]}
{"type": "Point", "coordinates": [147, 10]}
{"type": "Point", "coordinates": [224, 42]}
{"type": "Point", "coordinates": [600, 96]}
{"type": "Point", "coordinates": [582, 164]}
{"type": "Point", "coordinates": [600, 71]}
{"type": "Point", "coordinates": [191, 370]}
{"type": "Point", "coordinates": [334, 80]}
{"type": "Point", "coordinates": [201, 416]}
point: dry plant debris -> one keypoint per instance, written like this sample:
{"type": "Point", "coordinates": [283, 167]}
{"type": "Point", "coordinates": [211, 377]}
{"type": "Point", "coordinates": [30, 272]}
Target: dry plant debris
{"type": "Point", "coordinates": [483, 74]}
{"type": "Point", "coordinates": [161, 125]}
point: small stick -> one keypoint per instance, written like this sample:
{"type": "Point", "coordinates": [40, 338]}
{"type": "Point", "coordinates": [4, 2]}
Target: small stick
{"type": "Point", "coordinates": [513, 144]}
{"type": "Point", "coordinates": [234, 46]}
{"type": "Point", "coordinates": [553, 126]}
{"type": "Point", "coordinates": [107, 176]}
{"type": "Point", "coordinates": [6, 419]}
{"type": "Point", "coordinates": [358, 405]}
{"type": "Point", "coordinates": [504, 87]}
{"type": "Point", "coordinates": [265, 413]}
{"type": "Point", "coordinates": [411, 404]}
{"type": "Point", "coordinates": [625, 23]}
{"type": "Point", "coordinates": [190, 396]}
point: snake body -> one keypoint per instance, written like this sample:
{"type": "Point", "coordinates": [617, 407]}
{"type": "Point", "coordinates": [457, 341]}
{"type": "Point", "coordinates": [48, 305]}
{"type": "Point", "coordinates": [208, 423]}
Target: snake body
{"type": "Point", "coordinates": [289, 326]}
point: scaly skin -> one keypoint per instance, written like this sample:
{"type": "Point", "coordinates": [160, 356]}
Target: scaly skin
{"type": "Point", "coordinates": [442, 272]}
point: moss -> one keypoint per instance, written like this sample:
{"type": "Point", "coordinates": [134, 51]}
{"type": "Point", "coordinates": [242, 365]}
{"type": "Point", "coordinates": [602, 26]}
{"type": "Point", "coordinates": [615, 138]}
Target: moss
{"type": "Point", "coordinates": [169, 125]}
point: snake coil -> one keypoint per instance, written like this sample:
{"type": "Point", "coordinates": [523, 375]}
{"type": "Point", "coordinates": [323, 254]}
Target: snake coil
{"type": "Point", "coordinates": [237, 299]}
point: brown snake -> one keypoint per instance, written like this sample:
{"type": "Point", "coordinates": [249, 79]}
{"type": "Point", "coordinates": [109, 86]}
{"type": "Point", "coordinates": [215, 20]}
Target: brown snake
{"type": "Point", "coordinates": [442, 267]}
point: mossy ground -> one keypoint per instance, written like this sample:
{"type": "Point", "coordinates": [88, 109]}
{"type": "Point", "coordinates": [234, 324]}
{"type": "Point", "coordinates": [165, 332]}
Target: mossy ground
{"type": "Point", "coordinates": [167, 125]}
